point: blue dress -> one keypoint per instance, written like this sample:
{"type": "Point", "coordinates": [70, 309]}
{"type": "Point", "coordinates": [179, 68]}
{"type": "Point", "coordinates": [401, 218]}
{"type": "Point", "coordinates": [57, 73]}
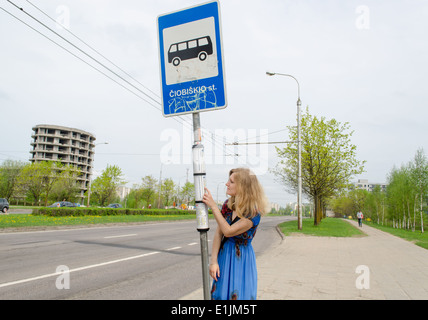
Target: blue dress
{"type": "Point", "coordinates": [237, 263]}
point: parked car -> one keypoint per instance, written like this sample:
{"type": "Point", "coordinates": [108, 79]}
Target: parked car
{"type": "Point", "coordinates": [63, 204]}
{"type": "Point", "coordinates": [4, 205]}
{"type": "Point", "coordinates": [114, 205]}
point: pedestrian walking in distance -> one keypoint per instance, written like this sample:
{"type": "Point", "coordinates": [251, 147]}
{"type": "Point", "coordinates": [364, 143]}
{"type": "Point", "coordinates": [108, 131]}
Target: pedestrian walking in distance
{"type": "Point", "coordinates": [233, 262]}
{"type": "Point", "coordinates": [360, 218]}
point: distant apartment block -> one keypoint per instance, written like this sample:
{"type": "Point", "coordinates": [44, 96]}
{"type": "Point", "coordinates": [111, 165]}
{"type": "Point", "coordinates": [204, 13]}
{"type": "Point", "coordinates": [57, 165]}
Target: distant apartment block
{"type": "Point", "coordinates": [365, 185]}
{"type": "Point", "coordinates": [69, 146]}
{"type": "Point", "coordinates": [123, 192]}
{"type": "Point", "coordinates": [274, 206]}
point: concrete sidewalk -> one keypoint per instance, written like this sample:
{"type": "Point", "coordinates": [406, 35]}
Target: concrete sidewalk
{"type": "Point", "coordinates": [319, 268]}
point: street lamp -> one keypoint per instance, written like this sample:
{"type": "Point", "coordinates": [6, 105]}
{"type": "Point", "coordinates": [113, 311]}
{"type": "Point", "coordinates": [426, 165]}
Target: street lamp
{"type": "Point", "coordinates": [160, 182]}
{"type": "Point", "coordinates": [299, 151]}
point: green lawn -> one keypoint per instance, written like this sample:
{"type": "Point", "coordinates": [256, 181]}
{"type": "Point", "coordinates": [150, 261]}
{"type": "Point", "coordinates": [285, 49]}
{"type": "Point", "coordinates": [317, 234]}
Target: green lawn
{"type": "Point", "coordinates": [418, 238]}
{"type": "Point", "coordinates": [332, 227]}
{"type": "Point", "coordinates": [329, 227]}
{"type": "Point", "coordinates": [28, 220]}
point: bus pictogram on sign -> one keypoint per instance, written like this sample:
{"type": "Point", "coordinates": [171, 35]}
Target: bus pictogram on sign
{"type": "Point", "coordinates": [191, 49]}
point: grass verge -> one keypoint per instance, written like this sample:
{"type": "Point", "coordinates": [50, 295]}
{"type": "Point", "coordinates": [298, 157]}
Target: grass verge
{"type": "Point", "coordinates": [28, 220]}
{"type": "Point", "coordinates": [329, 227]}
{"type": "Point", "coordinates": [418, 238]}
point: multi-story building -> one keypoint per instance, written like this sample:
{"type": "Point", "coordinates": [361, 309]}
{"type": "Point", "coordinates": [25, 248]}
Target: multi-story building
{"type": "Point", "coordinates": [364, 184]}
{"type": "Point", "coordinates": [69, 146]}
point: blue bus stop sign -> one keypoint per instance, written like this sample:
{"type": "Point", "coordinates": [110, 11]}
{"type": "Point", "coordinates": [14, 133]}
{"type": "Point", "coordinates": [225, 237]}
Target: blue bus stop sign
{"type": "Point", "coordinates": [191, 60]}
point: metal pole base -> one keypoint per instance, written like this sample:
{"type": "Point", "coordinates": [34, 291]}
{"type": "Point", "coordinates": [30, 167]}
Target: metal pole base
{"type": "Point", "coordinates": [205, 264]}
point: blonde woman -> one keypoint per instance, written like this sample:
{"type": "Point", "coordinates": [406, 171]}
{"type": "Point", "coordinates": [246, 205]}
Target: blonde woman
{"type": "Point", "coordinates": [233, 262]}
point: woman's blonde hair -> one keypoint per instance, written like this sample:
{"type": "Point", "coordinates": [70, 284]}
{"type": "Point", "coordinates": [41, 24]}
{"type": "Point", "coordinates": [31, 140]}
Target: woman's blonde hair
{"type": "Point", "coordinates": [250, 198]}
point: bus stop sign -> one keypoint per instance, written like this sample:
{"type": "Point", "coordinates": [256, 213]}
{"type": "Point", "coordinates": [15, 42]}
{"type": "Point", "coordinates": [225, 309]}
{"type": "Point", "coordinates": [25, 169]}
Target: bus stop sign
{"type": "Point", "coordinates": [191, 60]}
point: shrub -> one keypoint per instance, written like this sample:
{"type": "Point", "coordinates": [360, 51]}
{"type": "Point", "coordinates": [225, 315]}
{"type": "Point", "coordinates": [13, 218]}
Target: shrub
{"type": "Point", "coordinates": [82, 211]}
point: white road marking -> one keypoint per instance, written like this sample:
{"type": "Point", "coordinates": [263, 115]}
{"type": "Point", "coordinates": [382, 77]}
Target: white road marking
{"type": "Point", "coordinates": [121, 236]}
{"type": "Point", "coordinates": [2, 285]}
{"type": "Point", "coordinates": [192, 244]}
{"type": "Point", "coordinates": [174, 248]}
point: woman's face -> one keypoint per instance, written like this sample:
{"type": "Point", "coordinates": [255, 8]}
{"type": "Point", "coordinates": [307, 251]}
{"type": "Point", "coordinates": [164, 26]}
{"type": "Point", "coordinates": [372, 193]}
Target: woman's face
{"type": "Point", "coordinates": [231, 186]}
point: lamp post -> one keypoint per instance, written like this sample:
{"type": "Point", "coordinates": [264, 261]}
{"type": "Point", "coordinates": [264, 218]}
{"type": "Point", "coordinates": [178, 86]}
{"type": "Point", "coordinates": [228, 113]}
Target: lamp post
{"type": "Point", "coordinates": [160, 182]}
{"type": "Point", "coordinates": [160, 185]}
{"type": "Point", "coordinates": [299, 150]}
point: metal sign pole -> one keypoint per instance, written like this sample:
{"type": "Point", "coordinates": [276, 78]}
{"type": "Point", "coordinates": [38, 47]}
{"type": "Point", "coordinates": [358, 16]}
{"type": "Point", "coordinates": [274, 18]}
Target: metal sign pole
{"type": "Point", "coordinates": [201, 208]}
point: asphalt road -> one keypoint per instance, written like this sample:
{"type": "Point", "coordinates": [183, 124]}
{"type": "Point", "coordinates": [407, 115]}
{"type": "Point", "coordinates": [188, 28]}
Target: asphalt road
{"type": "Point", "coordinates": [148, 261]}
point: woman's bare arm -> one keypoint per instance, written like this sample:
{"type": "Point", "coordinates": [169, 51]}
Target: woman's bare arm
{"type": "Point", "coordinates": [228, 230]}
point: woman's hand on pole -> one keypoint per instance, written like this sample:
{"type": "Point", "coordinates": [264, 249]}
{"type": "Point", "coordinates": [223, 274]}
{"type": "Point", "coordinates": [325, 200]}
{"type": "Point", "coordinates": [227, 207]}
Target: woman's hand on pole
{"type": "Point", "coordinates": [208, 199]}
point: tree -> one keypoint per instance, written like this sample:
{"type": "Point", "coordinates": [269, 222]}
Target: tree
{"type": "Point", "coordinates": [419, 177]}
{"type": "Point", "coordinates": [344, 206]}
{"type": "Point", "coordinates": [328, 160]}
{"type": "Point", "coordinates": [66, 187]}
{"type": "Point", "coordinates": [375, 205]}
{"type": "Point", "coordinates": [37, 179]}
{"type": "Point", "coordinates": [9, 173]}
{"type": "Point", "coordinates": [105, 186]}
{"type": "Point", "coordinates": [403, 200]}
{"type": "Point", "coordinates": [350, 202]}
{"type": "Point", "coordinates": [359, 200]}
{"type": "Point", "coordinates": [149, 188]}
{"type": "Point", "coordinates": [135, 197]}
{"type": "Point", "coordinates": [167, 191]}
{"type": "Point", "coordinates": [401, 197]}
{"type": "Point", "coordinates": [188, 193]}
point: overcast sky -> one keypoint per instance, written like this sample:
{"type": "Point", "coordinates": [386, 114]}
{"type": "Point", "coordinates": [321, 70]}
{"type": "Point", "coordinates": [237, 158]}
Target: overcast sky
{"type": "Point", "coordinates": [362, 62]}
